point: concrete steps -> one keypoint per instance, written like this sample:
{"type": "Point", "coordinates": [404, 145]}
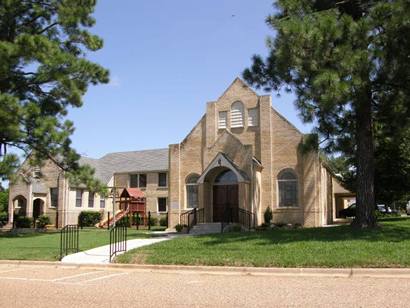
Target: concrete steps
{"type": "Point", "coordinates": [7, 227]}
{"type": "Point", "coordinates": [206, 228]}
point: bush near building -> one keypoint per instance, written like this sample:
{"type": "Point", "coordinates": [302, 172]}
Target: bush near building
{"type": "Point", "coordinates": [4, 217]}
{"type": "Point", "coordinates": [23, 222]}
{"type": "Point", "coordinates": [43, 221]}
{"type": "Point", "coordinates": [163, 221]}
{"type": "Point", "coordinates": [89, 218]}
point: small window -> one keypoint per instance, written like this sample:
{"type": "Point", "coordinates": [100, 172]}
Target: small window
{"type": "Point", "coordinates": [133, 180]}
{"type": "Point", "coordinates": [142, 182]}
{"type": "Point", "coordinates": [253, 119]}
{"type": "Point", "coordinates": [78, 197]}
{"type": "Point", "coordinates": [102, 203]}
{"type": "Point", "coordinates": [237, 115]}
{"type": "Point", "coordinates": [90, 199]}
{"type": "Point", "coordinates": [288, 188]}
{"type": "Point", "coordinates": [162, 205]}
{"type": "Point", "coordinates": [162, 179]}
{"type": "Point", "coordinates": [54, 196]}
{"type": "Point", "coordinates": [138, 180]}
{"type": "Point", "coordinates": [222, 119]}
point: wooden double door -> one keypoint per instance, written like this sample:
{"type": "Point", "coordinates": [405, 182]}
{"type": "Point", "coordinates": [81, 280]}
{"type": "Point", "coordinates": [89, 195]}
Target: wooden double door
{"type": "Point", "coordinates": [224, 197]}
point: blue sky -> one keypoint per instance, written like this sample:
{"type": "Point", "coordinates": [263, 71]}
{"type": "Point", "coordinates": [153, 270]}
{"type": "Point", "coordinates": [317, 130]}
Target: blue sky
{"type": "Point", "coordinates": [166, 60]}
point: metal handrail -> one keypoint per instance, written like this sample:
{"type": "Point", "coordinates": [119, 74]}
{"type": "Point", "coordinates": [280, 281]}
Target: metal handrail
{"type": "Point", "coordinates": [238, 215]}
{"type": "Point", "coordinates": [69, 240]}
{"type": "Point", "coordinates": [192, 217]}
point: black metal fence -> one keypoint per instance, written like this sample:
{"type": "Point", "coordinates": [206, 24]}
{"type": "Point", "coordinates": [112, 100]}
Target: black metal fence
{"type": "Point", "coordinates": [69, 240]}
{"type": "Point", "coordinates": [118, 239]}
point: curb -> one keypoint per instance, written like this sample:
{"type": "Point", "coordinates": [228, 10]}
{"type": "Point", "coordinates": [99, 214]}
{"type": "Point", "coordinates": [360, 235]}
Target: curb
{"type": "Point", "coordinates": [230, 270]}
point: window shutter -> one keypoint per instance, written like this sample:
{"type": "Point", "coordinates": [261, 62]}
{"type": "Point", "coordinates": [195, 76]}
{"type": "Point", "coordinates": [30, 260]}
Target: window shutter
{"type": "Point", "coordinates": [237, 115]}
{"type": "Point", "coordinates": [222, 119]}
{"type": "Point", "coordinates": [253, 119]}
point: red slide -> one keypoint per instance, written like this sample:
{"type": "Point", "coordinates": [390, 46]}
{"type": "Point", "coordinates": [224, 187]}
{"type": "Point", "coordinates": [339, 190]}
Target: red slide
{"type": "Point", "coordinates": [103, 223]}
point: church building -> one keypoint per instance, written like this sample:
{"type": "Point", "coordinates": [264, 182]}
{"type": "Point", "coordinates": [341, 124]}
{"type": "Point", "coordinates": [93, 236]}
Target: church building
{"type": "Point", "coordinates": [241, 158]}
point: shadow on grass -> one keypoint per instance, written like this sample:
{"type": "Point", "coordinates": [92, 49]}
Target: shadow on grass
{"type": "Point", "coordinates": [391, 230]}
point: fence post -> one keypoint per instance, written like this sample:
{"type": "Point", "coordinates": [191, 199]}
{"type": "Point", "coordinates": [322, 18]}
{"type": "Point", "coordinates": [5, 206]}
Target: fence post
{"type": "Point", "coordinates": [126, 235]}
{"type": "Point", "coordinates": [108, 221]}
{"type": "Point", "coordinates": [138, 220]}
{"type": "Point", "coordinates": [149, 220]}
{"type": "Point", "coordinates": [61, 243]}
{"type": "Point", "coordinates": [78, 239]}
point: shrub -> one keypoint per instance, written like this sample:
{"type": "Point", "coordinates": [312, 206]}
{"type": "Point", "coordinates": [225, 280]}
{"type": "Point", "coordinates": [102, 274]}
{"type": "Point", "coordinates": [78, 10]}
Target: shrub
{"type": "Point", "coordinates": [89, 218]}
{"type": "Point", "coordinates": [153, 221]}
{"type": "Point", "coordinates": [4, 217]}
{"type": "Point", "coordinates": [24, 222]}
{"type": "Point", "coordinates": [267, 216]}
{"type": "Point", "coordinates": [125, 221]}
{"type": "Point", "coordinates": [179, 227]}
{"type": "Point", "coordinates": [163, 221]}
{"type": "Point", "coordinates": [43, 221]}
{"type": "Point", "coordinates": [137, 219]}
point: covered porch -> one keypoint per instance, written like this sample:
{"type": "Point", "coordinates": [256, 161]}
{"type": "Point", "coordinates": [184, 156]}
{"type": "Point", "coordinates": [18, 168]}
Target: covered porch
{"type": "Point", "coordinates": [223, 193]}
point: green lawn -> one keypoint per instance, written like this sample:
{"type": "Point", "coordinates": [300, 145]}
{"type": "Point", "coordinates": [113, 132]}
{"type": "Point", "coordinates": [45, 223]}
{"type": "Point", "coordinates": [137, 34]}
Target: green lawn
{"type": "Point", "coordinates": [388, 246]}
{"type": "Point", "coordinates": [46, 246]}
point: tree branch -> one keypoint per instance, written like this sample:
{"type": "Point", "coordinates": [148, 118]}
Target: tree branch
{"type": "Point", "coordinates": [47, 28]}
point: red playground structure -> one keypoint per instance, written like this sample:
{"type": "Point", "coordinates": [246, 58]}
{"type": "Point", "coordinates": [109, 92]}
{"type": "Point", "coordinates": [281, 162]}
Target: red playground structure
{"type": "Point", "coordinates": [132, 203]}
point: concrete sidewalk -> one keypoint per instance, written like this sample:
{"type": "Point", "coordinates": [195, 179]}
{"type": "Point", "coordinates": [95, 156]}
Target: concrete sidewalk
{"type": "Point", "coordinates": [101, 255]}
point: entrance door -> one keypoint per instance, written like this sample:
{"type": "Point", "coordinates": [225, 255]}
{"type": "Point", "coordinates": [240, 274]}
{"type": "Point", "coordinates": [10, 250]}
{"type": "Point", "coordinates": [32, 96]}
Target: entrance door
{"type": "Point", "coordinates": [38, 208]}
{"type": "Point", "coordinates": [224, 197]}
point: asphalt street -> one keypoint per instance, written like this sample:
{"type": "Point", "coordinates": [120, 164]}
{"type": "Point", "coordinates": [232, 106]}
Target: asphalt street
{"type": "Point", "coordinates": [71, 286]}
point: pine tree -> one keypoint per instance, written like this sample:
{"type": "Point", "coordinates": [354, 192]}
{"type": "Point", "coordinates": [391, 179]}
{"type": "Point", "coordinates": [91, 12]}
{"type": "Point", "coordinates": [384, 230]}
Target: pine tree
{"type": "Point", "coordinates": [347, 63]}
{"type": "Point", "coordinates": [43, 71]}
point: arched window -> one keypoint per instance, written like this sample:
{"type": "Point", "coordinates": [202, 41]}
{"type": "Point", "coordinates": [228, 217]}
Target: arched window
{"type": "Point", "coordinates": [237, 110]}
{"type": "Point", "coordinates": [20, 206]}
{"type": "Point", "coordinates": [192, 191]}
{"type": "Point", "coordinates": [288, 188]}
{"type": "Point", "coordinates": [226, 177]}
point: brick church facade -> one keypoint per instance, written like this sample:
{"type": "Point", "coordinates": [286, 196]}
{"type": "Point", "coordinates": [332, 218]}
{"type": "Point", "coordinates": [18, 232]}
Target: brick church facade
{"type": "Point", "coordinates": [242, 154]}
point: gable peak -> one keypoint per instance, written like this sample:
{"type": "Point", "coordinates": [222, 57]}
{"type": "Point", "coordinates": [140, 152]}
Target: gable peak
{"type": "Point", "coordinates": [238, 83]}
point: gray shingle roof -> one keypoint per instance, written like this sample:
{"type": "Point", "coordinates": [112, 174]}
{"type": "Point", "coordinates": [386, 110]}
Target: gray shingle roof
{"type": "Point", "coordinates": [133, 161]}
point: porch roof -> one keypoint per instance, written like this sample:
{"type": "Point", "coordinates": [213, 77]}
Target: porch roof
{"type": "Point", "coordinates": [134, 193]}
{"type": "Point", "coordinates": [221, 160]}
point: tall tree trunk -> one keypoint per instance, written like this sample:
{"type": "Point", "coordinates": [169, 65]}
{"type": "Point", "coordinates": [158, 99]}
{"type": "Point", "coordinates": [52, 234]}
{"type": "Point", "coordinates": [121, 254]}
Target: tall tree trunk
{"type": "Point", "coordinates": [365, 197]}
